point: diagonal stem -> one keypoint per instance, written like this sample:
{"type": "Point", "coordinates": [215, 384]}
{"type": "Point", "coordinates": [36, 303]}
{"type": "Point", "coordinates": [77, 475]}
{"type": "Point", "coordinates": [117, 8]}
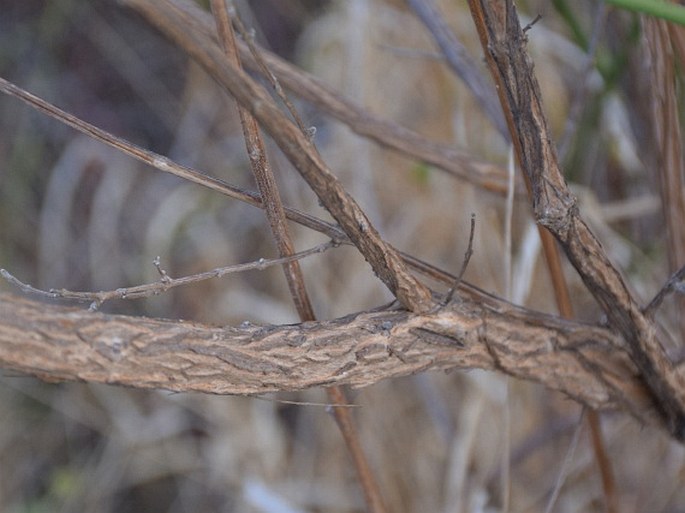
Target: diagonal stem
{"type": "Point", "coordinates": [263, 174]}
{"type": "Point", "coordinates": [383, 258]}
{"type": "Point", "coordinates": [555, 207]}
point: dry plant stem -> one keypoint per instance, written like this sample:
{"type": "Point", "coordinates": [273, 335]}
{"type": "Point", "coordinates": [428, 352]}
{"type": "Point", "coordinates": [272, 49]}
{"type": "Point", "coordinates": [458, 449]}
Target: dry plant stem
{"type": "Point", "coordinates": [453, 50]}
{"type": "Point", "coordinates": [555, 207]}
{"type": "Point", "coordinates": [670, 165]}
{"type": "Point", "coordinates": [343, 417]}
{"type": "Point", "coordinates": [266, 72]}
{"type": "Point", "coordinates": [359, 119]}
{"type": "Point", "coordinates": [266, 183]}
{"type": "Point", "coordinates": [165, 283]}
{"type": "Point", "coordinates": [583, 361]}
{"type": "Point", "coordinates": [563, 301]}
{"type": "Point", "coordinates": [465, 262]}
{"type": "Point", "coordinates": [603, 462]}
{"type": "Point", "coordinates": [461, 62]}
{"type": "Point", "coordinates": [163, 163]}
{"type": "Point", "coordinates": [385, 261]}
{"type": "Point", "coordinates": [276, 215]}
{"type": "Point", "coordinates": [167, 165]}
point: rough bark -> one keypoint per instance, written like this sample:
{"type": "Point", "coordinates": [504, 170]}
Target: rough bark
{"type": "Point", "coordinates": [555, 206]}
{"type": "Point", "coordinates": [585, 362]}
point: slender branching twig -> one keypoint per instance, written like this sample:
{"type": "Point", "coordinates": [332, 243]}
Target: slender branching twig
{"type": "Point", "coordinates": [165, 283]}
{"type": "Point", "coordinates": [464, 264]}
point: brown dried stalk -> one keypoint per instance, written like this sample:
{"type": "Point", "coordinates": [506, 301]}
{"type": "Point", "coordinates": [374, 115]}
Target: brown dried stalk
{"type": "Point", "coordinates": [585, 362]}
{"type": "Point", "coordinates": [660, 40]}
{"type": "Point", "coordinates": [275, 213]}
{"type": "Point", "coordinates": [263, 174]}
{"type": "Point", "coordinates": [555, 207]}
{"type": "Point", "coordinates": [304, 85]}
{"type": "Point", "coordinates": [385, 261]}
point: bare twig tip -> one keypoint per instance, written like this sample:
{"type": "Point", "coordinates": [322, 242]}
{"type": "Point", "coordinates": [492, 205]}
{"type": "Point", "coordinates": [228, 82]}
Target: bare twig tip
{"type": "Point", "coordinates": [465, 263]}
{"type": "Point", "coordinates": [530, 25]}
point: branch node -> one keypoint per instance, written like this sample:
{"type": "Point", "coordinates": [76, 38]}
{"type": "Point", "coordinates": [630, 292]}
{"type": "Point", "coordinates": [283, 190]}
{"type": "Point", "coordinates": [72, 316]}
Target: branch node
{"type": "Point", "coordinates": [530, 25]}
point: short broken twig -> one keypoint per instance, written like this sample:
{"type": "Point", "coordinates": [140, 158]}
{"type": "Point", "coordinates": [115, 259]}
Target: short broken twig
{"type": "Point", "coordinates": [464, 264]}
{"type": "Point", "coordinates": [676, 283]}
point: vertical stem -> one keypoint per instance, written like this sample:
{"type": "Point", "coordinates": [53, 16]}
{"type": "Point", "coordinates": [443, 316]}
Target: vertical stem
{"type": "Point", "coordinates": [271, 199]}
{"type": "Point", "coordinates": [263, 174]}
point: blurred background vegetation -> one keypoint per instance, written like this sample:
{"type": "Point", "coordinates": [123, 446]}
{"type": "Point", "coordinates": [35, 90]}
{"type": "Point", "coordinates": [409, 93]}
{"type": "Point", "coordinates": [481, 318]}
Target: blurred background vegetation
{"type": "Point", "coordinates": [78, 215]}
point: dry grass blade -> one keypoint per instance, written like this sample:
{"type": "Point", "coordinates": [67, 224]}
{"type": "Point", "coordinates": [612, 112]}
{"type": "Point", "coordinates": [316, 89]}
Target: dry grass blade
{"type": "Point", "coordinates": [668, 137]}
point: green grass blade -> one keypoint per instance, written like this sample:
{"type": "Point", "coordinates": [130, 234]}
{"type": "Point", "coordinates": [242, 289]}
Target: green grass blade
{"type": "Point", "coordinates": [657, 8]}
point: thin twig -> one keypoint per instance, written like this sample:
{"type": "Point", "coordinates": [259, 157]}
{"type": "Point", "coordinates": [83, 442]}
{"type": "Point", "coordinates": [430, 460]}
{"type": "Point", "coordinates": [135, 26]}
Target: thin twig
{"type": "Point", "coordinates": [165, 283]}
{"type": "Point", "coordinates": [367, 479]}
{"type": "Point", "coordinates": [464, 264]}
{"type": "Point", "coordinates": [676, 283]}
{"type": "Point", "coordinates": [248, 37]}
{"type": "Point", "coordinates": [277, 220]}
{"type": "Point", "coordinates": [162, 163]}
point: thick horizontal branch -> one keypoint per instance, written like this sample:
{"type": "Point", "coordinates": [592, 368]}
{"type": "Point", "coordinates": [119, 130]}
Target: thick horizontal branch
{"type": "Point", "coordinates": [585, 362]}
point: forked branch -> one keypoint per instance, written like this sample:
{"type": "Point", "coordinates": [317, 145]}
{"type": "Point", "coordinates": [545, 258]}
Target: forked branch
{"type": "Point", "coordinates": [504, 43]}
{"type": "Point", "coordinates": [383, 258]}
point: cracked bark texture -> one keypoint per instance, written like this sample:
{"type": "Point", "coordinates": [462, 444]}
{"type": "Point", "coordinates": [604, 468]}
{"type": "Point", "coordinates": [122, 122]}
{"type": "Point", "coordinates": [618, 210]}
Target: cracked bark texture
{"type": "Point", "coordinates": [585, 362]}
{"type": "Point", "coordinates": [623, 368]}
{"type": "Point", "coordinates": [555, 207]}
